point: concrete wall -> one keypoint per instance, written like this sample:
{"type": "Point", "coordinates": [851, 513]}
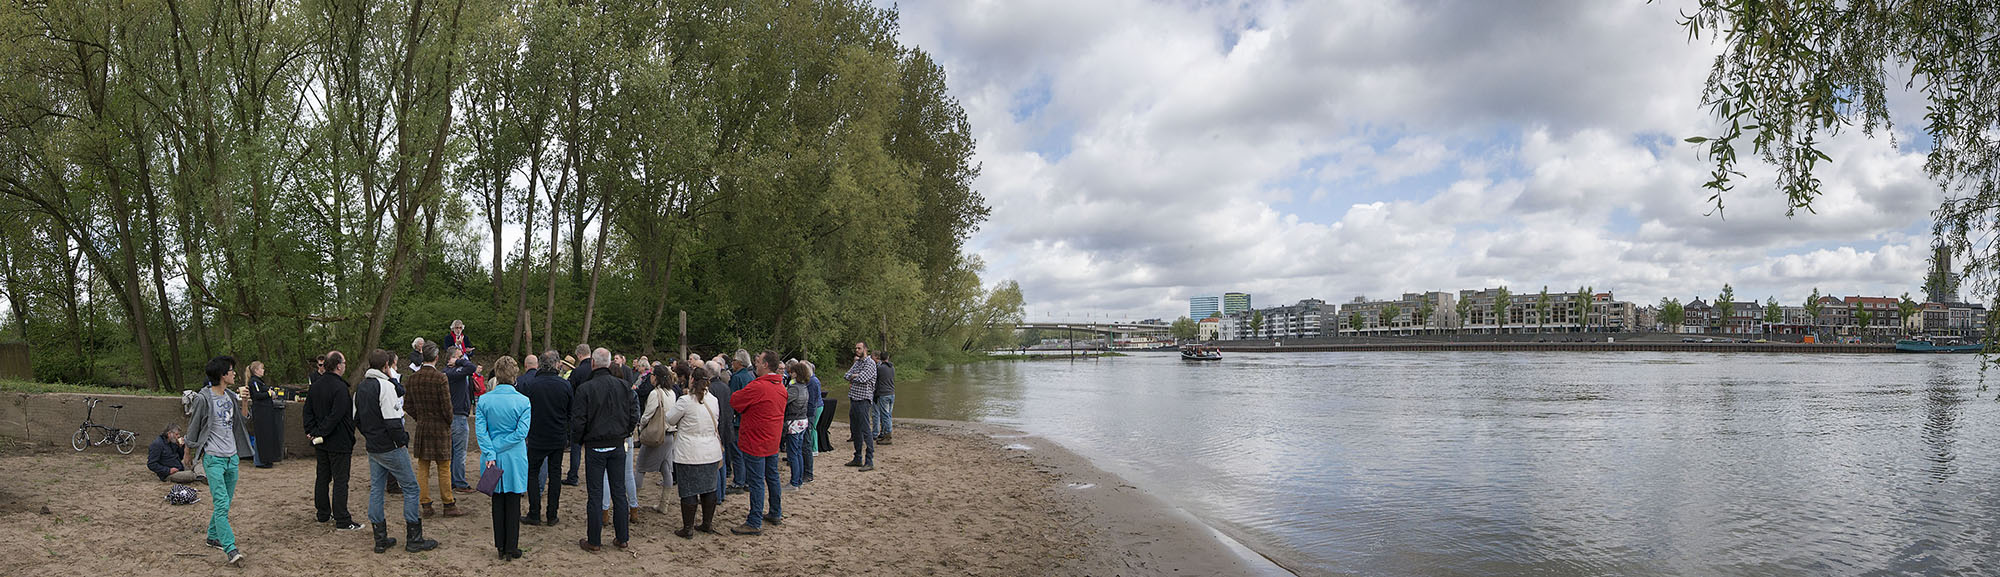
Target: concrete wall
{"type": "Point", "coordinates": [14, 362]}
{"type": "Point", "coordinates": [51, 418]}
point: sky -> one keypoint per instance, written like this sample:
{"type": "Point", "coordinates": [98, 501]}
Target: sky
{"type": "Point", "coordinates": [1137, 153]}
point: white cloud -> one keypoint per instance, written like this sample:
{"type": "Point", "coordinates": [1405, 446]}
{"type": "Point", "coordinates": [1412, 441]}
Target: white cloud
{"type": "Point", "coordinates": [1137, 153]}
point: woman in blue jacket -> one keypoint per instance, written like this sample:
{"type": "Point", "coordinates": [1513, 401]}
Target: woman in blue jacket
{"type": "Point", "coordinates": [504, 416]}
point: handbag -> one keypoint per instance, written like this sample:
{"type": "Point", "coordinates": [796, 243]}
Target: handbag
{"type": "Point", "coordinates": [489, 479]}
{"type": "Point", "coordinates": [654, 432]}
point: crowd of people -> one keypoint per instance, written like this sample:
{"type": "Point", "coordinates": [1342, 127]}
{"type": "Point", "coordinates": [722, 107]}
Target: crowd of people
{"type": "Point", "coordinates": [707, 428]}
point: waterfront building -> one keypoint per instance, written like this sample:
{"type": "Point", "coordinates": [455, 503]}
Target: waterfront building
{"type": "Point", "coordinates": [1612, 315]}
{"type": "Point", "coordinates": [1233, 303]}
{"type": "Point", "coordinates": [1211, 329]}
{"type": "Point", "coordinates": [1697, 317]}
{"type": "Point", "coordinates": [1745, 318]}
{"type": "Point", "coordinates": [1602, 313]}
{"type": "Point", "coordinates": [1205, 306]}
{"type": "Point", "coordinates": [1884, 315]}
{"type": "Point", "coordinates": [1443, 314]}
{"type": "Point", "coordinates": [1310, 318]}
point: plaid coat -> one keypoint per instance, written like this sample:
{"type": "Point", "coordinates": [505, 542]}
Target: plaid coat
{"type": "Point", "coordinates": [428, 409]}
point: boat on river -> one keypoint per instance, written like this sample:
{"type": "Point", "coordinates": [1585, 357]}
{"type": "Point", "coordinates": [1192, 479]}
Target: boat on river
{"type": "Point", "coordinates": [1192, 353]}
{"type": "Point", "coordinates": [1937, 345]}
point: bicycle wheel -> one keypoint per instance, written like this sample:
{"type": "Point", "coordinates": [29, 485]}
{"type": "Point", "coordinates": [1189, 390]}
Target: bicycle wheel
{"type": "Point", "coordinates": [80, 440]}
{"type": "Point", "coordinates": [125, 442]}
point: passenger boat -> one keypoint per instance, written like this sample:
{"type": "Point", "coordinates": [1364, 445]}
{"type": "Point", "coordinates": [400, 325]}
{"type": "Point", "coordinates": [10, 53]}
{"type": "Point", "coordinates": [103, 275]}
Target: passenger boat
{"type": "Point", "coordinates": [1200, 354]}
{"type": "Point", "coordinates": [1933, 345]}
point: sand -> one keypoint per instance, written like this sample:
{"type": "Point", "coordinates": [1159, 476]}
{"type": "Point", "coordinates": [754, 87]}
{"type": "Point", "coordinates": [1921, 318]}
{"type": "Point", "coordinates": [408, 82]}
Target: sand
{"type": "Point", "coordinates": [945, 499]}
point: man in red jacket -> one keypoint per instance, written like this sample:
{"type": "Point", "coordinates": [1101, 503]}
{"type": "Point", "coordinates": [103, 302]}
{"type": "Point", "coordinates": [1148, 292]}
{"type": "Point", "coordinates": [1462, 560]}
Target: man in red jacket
{"type": "Point", "coordinates": [762, 406]}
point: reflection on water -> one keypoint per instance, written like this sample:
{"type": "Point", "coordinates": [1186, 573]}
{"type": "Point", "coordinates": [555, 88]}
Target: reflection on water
{"type": "Point", "coordinates": [1535, 464]}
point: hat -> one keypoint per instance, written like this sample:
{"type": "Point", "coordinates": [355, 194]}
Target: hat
{"type": "Point", "coordinates": [568, 362]}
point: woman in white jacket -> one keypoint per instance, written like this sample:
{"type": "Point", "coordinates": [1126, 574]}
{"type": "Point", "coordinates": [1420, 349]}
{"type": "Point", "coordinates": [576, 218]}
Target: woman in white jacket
{"type": "Point", "coordinates": [659, 396]}
{"type": "Point", "coordinates": [697, 449]}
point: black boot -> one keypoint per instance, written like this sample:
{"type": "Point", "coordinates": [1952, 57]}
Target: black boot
{"type": "Point", "coordinates": [687, 520]}
{"type": "Point", "coordinates": [413, 538]}
{"type": "Point", "coordinates": [708, 502]}
{"type": "Point", "coordinates": [382, 539]}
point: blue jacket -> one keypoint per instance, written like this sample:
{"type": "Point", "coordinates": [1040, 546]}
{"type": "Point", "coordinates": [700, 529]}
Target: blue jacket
{"type": "Point", "coordinates": [459, 378]}
{"type": "Point", "coordinates": [812, 389]}
{"type": "Point", "coordinates": [504, 419]}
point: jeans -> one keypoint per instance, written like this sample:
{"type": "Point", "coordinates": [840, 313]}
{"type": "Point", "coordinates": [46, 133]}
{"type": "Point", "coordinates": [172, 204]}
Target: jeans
{"type": "Point", "coordinates": [459, 431]}
{"type": "Point", "coordinates": [537, 475]}
{"type": "Point", "coordinates": [883, 406]}
{"type": "Point", "coordinates": [859, 413]}
{"type": "Point", "coordinates": [596, 469]}
{"type": "Point", "coordinates": [631, 487]}
{"type": "Point", "coordinates": [733, 459]}
{"type": "Point", "coordinates": [762, 474]}
{"type": "Point", "coordinates": [424, 482]}
{"type": "Point", "coordinates": [800, 455]}
{"type": "Point", "coordinates": [255, 459]}
{"type": "Point", "coordinates": [330, 485]}
{"type": "Point", "coordinates": [575, 462]}
{"type": "Point", "coordinates": [221, 490]}
{"type": "Point", "coordinates": [385, 467]}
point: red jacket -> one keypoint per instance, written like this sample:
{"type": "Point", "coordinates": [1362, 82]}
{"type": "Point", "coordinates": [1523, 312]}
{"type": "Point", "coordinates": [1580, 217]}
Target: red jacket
{"type": "Point", "coordinates": [762, 404]}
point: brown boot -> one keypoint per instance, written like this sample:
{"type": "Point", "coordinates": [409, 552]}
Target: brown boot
{"type": "Point", "coordinates": [451, 510]}
{"type": "Point", "coordinates": [633, 516]}
{"type": "Point", "coordinates": [428, 511]}
{"type": "Point", "coordinates": [607, 517]}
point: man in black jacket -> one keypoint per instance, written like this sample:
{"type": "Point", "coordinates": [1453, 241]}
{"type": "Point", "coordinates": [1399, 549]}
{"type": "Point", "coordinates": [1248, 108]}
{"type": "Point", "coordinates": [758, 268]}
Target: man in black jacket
{"type": "Point", "coordinates": [576, 378]}
{"type": "Point", "coordinates": [164, 457]}
{"type": "Point", "coordinates": [548, 432]}
{"type": "Point", "coordinates": [330, 424]}
{"type": "Point", "coordinates": [378, 415]}
{"type": "Point", "coordinates": [601, 418]}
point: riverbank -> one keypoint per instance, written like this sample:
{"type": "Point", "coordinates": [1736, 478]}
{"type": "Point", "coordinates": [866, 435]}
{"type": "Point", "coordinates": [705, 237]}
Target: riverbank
{"type": "Point", "coordinates": [946, 499]}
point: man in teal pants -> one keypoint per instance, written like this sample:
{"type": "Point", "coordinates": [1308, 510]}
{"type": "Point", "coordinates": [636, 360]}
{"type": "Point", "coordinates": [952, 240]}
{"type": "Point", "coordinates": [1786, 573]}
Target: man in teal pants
{"type": "Point", "coordinates": [212, 428]}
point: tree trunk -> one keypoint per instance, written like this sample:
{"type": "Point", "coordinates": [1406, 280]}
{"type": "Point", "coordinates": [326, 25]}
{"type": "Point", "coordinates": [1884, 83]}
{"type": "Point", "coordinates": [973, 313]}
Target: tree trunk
{"type": "Point", "coordinates": [523, 332]}
{"type": "Point", "coordinates": [173, 376]}
{"type": "Point", "coordinates": [555, 226]}
{"type": "Point", "coordinates": [597, 264]}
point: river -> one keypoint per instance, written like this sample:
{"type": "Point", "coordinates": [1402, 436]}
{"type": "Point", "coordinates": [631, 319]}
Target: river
{"type": "Point", "coordinates": [1554, 464]}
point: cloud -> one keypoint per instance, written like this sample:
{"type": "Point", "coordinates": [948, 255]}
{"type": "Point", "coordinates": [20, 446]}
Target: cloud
{"type": "Point", "coordinates": [1138, 153]}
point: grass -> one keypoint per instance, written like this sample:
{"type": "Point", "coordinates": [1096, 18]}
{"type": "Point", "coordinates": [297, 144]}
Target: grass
{"type": "Point", "coordinates": [30, 387]}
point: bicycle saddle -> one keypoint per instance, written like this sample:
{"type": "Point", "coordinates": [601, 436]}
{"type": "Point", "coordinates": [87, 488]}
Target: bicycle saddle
{"type": "Point", "coordinates": [117, 406]}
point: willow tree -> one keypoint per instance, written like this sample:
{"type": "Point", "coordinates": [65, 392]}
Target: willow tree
{"type": "Point", "coordinates": [1794, 74]}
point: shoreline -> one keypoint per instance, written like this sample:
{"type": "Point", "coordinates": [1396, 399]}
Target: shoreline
{"type": "Point", "coordinates": [1137, 530]}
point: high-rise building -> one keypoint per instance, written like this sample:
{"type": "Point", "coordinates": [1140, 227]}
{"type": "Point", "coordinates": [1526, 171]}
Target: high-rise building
{"type": "Point", "coordinates": [1942, 284]}
{"type": "Point", "coordinates": [1233, 303]}
{"type": "Point", "coordinates": [1202, 307]}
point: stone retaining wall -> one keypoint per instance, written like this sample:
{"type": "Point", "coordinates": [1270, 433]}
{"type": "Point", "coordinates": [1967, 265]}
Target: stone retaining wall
{"type": "Point", "coordinates": [51, 419]}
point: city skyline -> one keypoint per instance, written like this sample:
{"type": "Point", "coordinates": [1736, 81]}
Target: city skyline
{"type": "Point", "coordinates": [1139, 153]}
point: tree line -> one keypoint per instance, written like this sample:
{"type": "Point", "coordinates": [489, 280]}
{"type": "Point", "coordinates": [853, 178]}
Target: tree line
{"type": "Point", "coordinates": [273, 178]}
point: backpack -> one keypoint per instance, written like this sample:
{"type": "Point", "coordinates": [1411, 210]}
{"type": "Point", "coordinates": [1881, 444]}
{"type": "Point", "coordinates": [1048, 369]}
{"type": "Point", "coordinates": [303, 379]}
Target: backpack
{"type": "Point", "coordinates": [183, 495]}
{"type": "Point", "coordinates": [478, 385]}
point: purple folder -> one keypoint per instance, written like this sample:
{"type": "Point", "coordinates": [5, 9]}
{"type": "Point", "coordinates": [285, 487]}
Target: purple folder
{"type": "Point", "coordinates": [489, 479]}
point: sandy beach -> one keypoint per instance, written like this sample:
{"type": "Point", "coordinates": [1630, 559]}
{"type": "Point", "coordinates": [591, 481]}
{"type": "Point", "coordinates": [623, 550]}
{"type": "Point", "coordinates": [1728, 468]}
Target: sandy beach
{"type": "Point", "coordinates": [946, 499]}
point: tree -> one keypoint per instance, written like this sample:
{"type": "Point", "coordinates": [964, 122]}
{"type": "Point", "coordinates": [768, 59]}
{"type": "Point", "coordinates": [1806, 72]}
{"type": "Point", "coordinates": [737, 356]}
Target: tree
{"type": "Point", "coordinates": [1725, 306]}
{"type": "Point", "coordinates": [1355, 322]}
{"type": "Point", "coordinates": [1386, 318]}
{"type": "Point", "coordinates": [1256, 323]}
{"type": "Point", "coordinates": [1866, 319]}
{"type": "Point", "coordinates": [1502, 300]}
{"type": "Point", "coordinates": [1794, 74]}
{"type": "Point", "coordinates": [1672, 314]}
{"type": "Point", "coordinates": [1813, 307]}
{"type": "Point", "coordinates": [1772, 314]}
{"type": "Point", "coordinates": [1425, 308]}
{"type": "Point", "coordinates": [1186, 329]}
{"type": "Point", "coordinates": [1542, 310]}
{"type": "Point", "coordinates": [1464, 313]}
{"type": "Point", "coordinates": [1907, 310]}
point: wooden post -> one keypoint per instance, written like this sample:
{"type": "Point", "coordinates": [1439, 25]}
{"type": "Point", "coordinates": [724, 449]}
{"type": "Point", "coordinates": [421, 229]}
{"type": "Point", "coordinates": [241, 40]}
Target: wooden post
{"type": "Point", "coordinates": [684, 334]}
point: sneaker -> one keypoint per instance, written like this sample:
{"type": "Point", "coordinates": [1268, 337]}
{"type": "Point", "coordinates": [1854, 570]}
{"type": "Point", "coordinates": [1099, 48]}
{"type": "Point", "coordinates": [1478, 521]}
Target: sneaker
{"type": "Point", "coordinates": [217, 545]}
{"type": "Point", "coordinates": [866, 468]}
{"type": "Point", "coordinates": [346, 526]}
{"type": "Point", "coordinates": [853, 463]}
{"type": "Point", "coordinates": [235, 557]}
{"type": "Point", "coordinates": [746, 530]}
{"type": "Point", "coordinates": [773, 520]}
{"type": "Point", "coordinates": [452, 511]}
{"type": "Point", "coordinates": [534, 520]}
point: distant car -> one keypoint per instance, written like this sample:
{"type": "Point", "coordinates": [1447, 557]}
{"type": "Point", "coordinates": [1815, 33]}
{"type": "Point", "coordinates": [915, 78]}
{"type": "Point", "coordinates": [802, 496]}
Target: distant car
{"type": "Point", "coordinates": [1708, 340]}
{"type": "Point", "coordinates": [1761, 341]}
{"type": "Point", "coordinates": [1687, 339]}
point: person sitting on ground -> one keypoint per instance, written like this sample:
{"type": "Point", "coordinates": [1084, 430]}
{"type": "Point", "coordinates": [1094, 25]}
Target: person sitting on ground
{"type": "Point", "coordinates": [164, 458]}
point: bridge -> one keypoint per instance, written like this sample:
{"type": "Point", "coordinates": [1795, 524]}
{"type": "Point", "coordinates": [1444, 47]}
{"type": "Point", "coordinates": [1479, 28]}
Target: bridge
{"type": "Point", "coordinates": [1102, 328]}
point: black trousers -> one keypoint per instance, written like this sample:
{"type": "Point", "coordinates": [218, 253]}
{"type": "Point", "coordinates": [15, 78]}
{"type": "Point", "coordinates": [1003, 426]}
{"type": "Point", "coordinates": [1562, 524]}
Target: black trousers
{"type": "Point", "coordinates": [507, 522]}
{"type": "Point", "coordinates": [330, 485]}
{"type": "Point", "coordinates": [826, 414]}
{"type": "Point", "coordinates": [536, 459]}
{"type": "Point", "coordinates": [860, 417]}
{"type": "Point", "coordinates": [600, 469]}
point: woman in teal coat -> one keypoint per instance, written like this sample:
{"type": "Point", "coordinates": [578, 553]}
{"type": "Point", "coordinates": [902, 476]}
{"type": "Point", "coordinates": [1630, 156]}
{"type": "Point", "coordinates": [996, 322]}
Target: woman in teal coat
{"type": "Point", "coordinates": [503, 432]}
